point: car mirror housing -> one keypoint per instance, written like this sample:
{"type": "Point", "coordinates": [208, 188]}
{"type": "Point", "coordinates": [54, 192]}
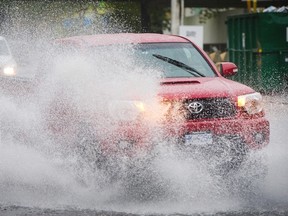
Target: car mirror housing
{"type": "Point", "coordinates": [227, 69]}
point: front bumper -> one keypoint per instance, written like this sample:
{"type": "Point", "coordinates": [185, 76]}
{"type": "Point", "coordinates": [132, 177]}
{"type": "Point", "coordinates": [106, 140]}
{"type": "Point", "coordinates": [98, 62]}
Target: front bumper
{"type": "Point", "coordinates": [253, 132]}
{"type": "Point", "coordinates": [132, 138]}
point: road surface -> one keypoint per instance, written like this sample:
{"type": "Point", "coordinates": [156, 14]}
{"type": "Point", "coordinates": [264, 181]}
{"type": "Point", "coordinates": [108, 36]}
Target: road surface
{"type": "Point", "coordinates": [36, 187]}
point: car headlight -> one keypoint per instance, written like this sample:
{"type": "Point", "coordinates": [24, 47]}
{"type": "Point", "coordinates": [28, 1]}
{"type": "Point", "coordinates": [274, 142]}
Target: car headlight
{"type": "Point", "coordinates": [126, 110]}
{"type": "Point", "coordinates": [9, 71]}
{"type": "Point", "coordinates": [251, 103]}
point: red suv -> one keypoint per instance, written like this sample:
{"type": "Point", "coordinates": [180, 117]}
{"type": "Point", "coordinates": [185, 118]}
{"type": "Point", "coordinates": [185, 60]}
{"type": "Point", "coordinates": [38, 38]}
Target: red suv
{"type": "Point", "coordinates": [201, 110]}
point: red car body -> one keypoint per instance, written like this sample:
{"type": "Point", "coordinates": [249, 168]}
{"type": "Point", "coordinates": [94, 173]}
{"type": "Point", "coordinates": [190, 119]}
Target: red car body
{"type": "Point", "coordinates": [216, 92]}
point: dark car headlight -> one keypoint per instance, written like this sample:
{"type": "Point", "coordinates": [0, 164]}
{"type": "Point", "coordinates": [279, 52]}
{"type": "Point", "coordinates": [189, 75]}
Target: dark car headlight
{"type": "Point", "coordinates": [9, 71]}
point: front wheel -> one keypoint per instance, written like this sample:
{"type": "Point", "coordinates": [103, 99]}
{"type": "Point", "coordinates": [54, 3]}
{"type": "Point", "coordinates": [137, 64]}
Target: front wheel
{"type": "Point", "coordinates": [226, 154]}
{"type": "Point", "coordinates": [91, 163]}
{"type": "Point", "coordinates": [249, 180]}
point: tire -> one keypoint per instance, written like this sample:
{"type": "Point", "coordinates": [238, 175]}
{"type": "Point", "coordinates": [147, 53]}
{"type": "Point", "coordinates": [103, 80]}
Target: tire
{"type": "Point", "coordinates": [90, 160]}
{"type": "Point", "coordinates": [249, 180]}
{"type": "Point", "coordinates": [226, 154]}
{"type": "Point", "coordinates": [91, 157]}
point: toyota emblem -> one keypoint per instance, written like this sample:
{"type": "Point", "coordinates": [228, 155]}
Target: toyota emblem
{"type": "Point", "coordinates": [195, 107]}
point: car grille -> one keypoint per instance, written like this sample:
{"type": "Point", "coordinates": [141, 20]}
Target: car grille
{"type": "Point", "coordinates": [211, 108]}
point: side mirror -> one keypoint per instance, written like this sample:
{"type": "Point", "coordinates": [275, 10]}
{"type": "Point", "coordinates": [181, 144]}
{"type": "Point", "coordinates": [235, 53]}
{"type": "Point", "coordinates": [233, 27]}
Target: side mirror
{"type": "Point", "coordinates": [227, 68]}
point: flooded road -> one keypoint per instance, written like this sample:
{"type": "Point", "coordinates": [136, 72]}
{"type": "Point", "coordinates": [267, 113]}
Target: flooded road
{"type": "Point", "coordinates": [43, 177]}
{"type": "Point", "coordinates": [38, 187]}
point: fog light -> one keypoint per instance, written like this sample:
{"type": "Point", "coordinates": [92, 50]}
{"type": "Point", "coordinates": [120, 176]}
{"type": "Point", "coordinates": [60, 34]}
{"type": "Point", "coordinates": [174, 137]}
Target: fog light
{"type": "Point", "coordinates": [124, 144]}
{"type": "Point", "coordinates": [259, 138]}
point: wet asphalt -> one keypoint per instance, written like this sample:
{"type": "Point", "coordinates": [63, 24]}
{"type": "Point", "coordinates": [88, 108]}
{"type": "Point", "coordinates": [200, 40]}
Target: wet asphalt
{"type": "Point", "coordinates": [25, 211]}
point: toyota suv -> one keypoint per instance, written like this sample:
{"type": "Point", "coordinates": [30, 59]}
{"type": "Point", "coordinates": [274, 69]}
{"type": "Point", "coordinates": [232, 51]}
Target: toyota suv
{"type": "Point", "coordinates": [202, 110]}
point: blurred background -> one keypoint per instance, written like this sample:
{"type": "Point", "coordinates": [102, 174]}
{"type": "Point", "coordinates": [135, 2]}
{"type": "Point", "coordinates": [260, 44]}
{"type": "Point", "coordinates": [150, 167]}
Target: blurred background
{"type": "Point", "coordinates": [251, 33]}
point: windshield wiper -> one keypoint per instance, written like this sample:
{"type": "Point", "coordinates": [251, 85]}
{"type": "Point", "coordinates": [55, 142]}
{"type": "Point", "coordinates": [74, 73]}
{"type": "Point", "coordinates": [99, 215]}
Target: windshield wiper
{"type": "Point", "coordinates": [179, 64]}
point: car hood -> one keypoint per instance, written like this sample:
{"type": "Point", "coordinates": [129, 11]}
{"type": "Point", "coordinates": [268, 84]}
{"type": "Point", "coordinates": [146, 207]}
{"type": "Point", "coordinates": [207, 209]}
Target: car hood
{"type": "Point", "coordinates": [180, 88]}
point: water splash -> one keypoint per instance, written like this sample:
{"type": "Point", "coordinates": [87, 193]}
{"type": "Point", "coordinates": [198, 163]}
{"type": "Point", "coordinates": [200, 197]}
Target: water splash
{"type": "Point", "coordinates": [41, 169]}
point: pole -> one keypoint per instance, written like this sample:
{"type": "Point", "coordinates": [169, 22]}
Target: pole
{"type": "Point", "coordinates": [182, 12]}
{"type": "Point", "coordinates": [175, 16]}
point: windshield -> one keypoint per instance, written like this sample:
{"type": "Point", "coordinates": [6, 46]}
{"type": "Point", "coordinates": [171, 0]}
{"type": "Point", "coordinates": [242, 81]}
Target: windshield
{"type": "Point", "coordinates": [3, 48]}
{"type": "Point", "coordinates": [171, 59]}
{"type": "Point", "coordinates": [186, 53]}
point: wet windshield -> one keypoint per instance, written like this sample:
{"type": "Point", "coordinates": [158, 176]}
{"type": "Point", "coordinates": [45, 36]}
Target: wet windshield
{"type": "Point", "coordinates": [179, 52]}
{"type": "Point", "coordinates": [171, 59]}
